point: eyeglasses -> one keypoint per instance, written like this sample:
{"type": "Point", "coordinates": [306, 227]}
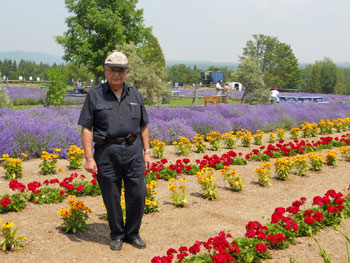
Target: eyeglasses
{"type": "Point", "coordinates": [115, 72]}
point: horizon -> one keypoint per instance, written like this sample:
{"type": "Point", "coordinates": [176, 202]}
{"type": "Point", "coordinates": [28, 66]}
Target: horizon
{"type": "Point", "coordinates": [179, 60]}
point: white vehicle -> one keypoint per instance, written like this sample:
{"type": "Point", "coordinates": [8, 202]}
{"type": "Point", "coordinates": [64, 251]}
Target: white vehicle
{"type": "Point", "coordinates": [236, 86]}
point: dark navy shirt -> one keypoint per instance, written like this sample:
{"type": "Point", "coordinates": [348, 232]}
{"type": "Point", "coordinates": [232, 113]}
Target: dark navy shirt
{"type": "Point", "coordinates": [110, 117]}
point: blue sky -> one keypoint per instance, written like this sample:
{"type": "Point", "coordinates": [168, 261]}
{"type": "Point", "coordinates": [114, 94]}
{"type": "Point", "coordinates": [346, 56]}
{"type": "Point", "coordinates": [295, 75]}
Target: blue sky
{"type": "Point", "coordinates": [214, 30]}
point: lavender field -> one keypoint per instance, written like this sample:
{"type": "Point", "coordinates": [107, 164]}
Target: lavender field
{"type": "Point", "coordinates": [35, 96]}
{"type": "Point", "coordinates": [36, 129]}
{"type": "Point", "coordinates": [331, 98]}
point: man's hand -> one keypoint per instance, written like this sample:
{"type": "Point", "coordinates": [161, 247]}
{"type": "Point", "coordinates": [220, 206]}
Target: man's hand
{"type": "Point", "coordinates": [90, 165]}
{"type": "Point", "coordinates": [148, 161]}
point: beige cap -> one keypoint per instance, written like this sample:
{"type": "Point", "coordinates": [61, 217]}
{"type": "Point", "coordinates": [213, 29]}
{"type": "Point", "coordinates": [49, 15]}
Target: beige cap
{"type": "Point", "coordinates": [117, 60]}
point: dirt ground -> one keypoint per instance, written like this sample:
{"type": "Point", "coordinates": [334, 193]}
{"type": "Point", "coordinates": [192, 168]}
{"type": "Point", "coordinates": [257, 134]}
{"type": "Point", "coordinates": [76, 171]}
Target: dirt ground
{"type": "Point", "coordinates": [174, 227]}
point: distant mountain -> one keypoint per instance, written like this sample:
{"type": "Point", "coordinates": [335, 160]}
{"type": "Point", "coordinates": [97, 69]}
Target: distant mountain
{"type": "Point", "coordinates": [202, 64]}
{"type": "Point", "coordinates": [37, 57]}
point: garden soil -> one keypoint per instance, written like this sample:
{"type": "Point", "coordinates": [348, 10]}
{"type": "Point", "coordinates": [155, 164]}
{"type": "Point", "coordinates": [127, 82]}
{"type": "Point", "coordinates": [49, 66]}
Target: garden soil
{"type": "Point", "coordinates": [174, 227]}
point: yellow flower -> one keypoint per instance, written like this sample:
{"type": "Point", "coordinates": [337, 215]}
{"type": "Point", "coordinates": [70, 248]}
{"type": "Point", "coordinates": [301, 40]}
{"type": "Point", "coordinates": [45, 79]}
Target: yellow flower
{"type": "Point", "coordinates": [148, 202]}
{"type": "Point", "coordinates": [0, 220]}
{"type": "Point", "coordinates": [7, 225]}
{"type": "Point", "coordinates": [60, 169]}
{"type": "Point", "coordinates": [72, 196]}
{"type": "Point", "coordinates": [22, 238]}
{"type": "Point", "coordinates": [57, 149]}
{"type": "Point", "coordinates": [103, 204]}
{"type": "Point", "coordinates": [5, 155]}
{"type": "Point", "coordinates": [24, 155]}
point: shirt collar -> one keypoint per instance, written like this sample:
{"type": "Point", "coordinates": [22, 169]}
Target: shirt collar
{"type": "Point", "coordinates": [106, 88]}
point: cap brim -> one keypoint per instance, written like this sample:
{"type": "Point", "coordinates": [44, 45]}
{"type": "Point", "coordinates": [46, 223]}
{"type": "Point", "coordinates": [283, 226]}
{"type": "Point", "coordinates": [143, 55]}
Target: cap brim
{"type": "Point", "coordinates": [117, 65]}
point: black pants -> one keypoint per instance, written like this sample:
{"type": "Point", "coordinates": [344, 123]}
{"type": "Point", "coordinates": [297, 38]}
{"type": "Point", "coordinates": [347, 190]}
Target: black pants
{"type": "Point", "coordinates": [117, 163]}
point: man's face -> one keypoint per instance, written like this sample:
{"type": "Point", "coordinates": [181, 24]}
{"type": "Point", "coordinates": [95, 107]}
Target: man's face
{"type": "Point", "coordinates": [116, 76]}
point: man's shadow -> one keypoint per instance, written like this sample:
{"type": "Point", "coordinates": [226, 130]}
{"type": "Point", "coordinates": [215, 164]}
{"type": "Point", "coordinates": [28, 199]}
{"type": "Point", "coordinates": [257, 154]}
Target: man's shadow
{"type": "Point", "coordinates": [96, 232]}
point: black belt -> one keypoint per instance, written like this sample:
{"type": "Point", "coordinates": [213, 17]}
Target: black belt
{"type": "Point", "coordinates": [102, 140]}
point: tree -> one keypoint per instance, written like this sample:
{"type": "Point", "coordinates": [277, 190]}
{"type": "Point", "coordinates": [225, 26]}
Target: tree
{"type": "Point", "coordinates": [144, 76]}
{"type": "Point", "coordinates": [57, 87]}
{"type": "Point", "coordinates": [313, 78]}
{"type": "Point", "coordinates": [182, 74]}
{"type": "Point", "coordinates": [75, 72]}
{"type": "Point", "coordinates": [276, 60]}
{"type": "Point", "coordinates": [96, 27]}
{"type": "Point", "coordinates": [328, 76]}
{"type": "Point", "coordinates": [250, 75]}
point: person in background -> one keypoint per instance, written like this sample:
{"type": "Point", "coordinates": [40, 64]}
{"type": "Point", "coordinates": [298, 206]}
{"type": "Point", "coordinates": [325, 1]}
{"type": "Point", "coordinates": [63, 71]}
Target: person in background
{"type": "Point", "coordinates": [115, 118]}
{"type": "Point", "coordinates": [274, 96]}
{"type": "Point", "coordinates": [79, 84]}
{"type": "Point", "coordinates": [226, 93]}
{"type": "Point", "coordinates": [219, 88]}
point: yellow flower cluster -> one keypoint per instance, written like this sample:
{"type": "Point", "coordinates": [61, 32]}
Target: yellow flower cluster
{"type": "Point", "coordinates": [74, 206]}
{"type": "Point", "coordinates": [7, 225]}
{"type": "Point", "coordinates": [199, 143]}
{"type": "Point", "coordinates": [258, 137]}
{"type": "Point", "coordinates": [75, 157]}
{"type": "Point", "coordinates": [150, 202]}
{"type": "Point", "coordinates": [245, 137]}
{"type": "Point", "coordinates": [345, 152]}
{"type": "Point", "coordinates": [158, 148]}
{"type": "Point", "coordinates": [326, 126]}
{"type": "Point", "coordinates": [272, 138]}
{"type": "Point", "coordinates": [48, 156]}
{"type": "Point", "coordinates": [13, 166]}
{"type": "Point", "coordinates": [280, 133]}
{"type": "Point", "coordinates": [213, 137]}
{"type": "Point", "coordinates": [206, 180]}
{"type": "Point", "coordinates": [294, 133]}
{"type": "Point", "coordinates": [309, 129]}
{"type": "Point", "coordinates": [300, 164]}
{"type": "Point", "coordinates": [283, 166]}
{"type": "Point", "coordinates": [331, 157]}
{"type": "Point", "coordinates": [233, 178]}
{"type": "Point", "coordinates": [316, 161]}
{"type": "Point", "coordinates": [264, 174]}
{"type": "Point", "coordinates": [183, 146]}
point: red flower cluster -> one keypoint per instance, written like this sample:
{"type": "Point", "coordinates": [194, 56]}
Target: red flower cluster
{"type": "Point", "coordinates": [33, 186]}
{"type": "Point", "coordinates": [5, 201]}
{"type": "Point", "coordinates": [15, 185]}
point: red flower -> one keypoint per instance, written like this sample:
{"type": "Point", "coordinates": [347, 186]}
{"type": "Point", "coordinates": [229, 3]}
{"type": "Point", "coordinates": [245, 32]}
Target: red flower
{"type": "Point", "coordinates": [80, 188]}
{"type": "Point", "coordinates": [93, 181]}
{"type": "Point", "coordinates": [62, 193]}
{"type": "Point", "coordinates": [186, 160]}
{"type": "Point", "coordinates": [261, 247]}
{"type": "Point", "coordinates": [171, 251]}
{"type": "Point", "coordinates": [297, 203]}
{"type": "Point", "coordinates": [5, 201]}
{"type": "Point", "coordinates": [309, 220]}
{"type": "Point", "coordinates": [331, 209]}
{"type": "Point", "coordinates": [163, 161]}
{"type": "Point", "coordinates": [318, 216]}
{"type": "Point", "coordinates": [188, 167]}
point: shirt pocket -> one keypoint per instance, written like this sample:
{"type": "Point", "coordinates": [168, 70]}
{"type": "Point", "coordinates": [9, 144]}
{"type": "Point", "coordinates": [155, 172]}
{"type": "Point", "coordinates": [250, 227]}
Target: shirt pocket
{"type": "Point", "coordinates": [135, 110]}
{"type": "Point", "coordinates": [102, 115]}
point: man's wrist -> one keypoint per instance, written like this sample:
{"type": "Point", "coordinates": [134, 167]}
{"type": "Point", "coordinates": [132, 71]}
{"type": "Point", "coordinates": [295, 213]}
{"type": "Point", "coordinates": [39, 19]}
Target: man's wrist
{"type": "Point", "coordinates": [146, 150]}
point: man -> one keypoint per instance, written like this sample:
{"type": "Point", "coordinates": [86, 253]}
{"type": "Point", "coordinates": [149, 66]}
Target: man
{"type": "Point", "coordinates": [274, 96]}
{"type": "Point", "coordinates": [114, 117]}
{"type": "Point", "coordinates": [219, 88]}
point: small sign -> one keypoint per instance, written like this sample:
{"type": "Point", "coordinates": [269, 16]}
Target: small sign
{"type": "Point", "coordinates": [30, 78]}
{"type": "Point", "coordinates": [20, 78]}
{"type": "Point", "coordinates": [4, 77]}
{"type": "Point", "coordinates": [92, 80]}
{"type": "Point", "coordinates": [37, 79]}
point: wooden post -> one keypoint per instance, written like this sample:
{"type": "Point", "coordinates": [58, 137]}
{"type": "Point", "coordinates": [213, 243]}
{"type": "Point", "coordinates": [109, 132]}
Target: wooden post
{"type": "Point", "coordinates": [195, 96]}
